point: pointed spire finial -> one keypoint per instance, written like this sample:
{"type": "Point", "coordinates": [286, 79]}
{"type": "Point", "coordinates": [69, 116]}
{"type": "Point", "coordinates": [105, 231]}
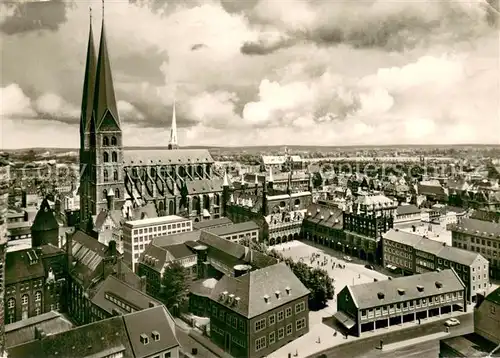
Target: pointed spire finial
{"type": "Point", "coordinates": [102, 10]}
{"type": "Point", "coordinates": [90, 13]}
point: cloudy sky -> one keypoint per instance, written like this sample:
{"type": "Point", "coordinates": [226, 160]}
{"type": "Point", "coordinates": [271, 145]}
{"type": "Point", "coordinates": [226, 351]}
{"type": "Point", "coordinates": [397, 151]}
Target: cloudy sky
{"type": "Point", "coordinates": [257, 72]}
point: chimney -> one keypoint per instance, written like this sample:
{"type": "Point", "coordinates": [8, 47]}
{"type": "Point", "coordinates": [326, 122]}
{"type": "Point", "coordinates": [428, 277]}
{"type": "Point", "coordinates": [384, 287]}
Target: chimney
{"type": "Point", "coordinates": [143, 284]}
{"type": "Point", "coordinates": [112, 248]}
{"type": "Point", "coordinates": [39, 333]}
{"type": "Point", "coordinates": [69, 250]}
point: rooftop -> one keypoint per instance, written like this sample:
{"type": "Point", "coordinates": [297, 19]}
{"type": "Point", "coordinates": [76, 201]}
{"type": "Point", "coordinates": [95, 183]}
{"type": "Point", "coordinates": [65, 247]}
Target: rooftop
{"type": "Point", "coordinates": [206, 224]}
{"type": "Point", "coordinates": [440, 249]}
{"type": "Point", "coordinates": [259, 291]}
{"type": "Point", "coordinates": [166, 157]}
{"type": "Point", "coordinates": [406, 288]}
{"type": "Point", "coordinates": [479, 227]}
{"type": "Point", "coordinates": [234, 228]}
{"type": "Point", "coordinates": [153, 221]}
{"type": "Point", "coordinates": [325, 215]}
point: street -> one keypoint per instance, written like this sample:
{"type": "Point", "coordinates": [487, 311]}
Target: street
{"type": "Point", "coordinates": [367, 345]}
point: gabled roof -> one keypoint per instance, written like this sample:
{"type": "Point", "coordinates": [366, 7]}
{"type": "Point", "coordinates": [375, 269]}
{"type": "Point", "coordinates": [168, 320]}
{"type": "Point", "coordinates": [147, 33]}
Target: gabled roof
{"type": "Point", "coordinates": [407, 210]}
{"type": "Point", "coordinates": [143, 157]}
{"type": "Point", "coordinates": [252, 288]}
{"type": "Point", "coordinates": [23, 331]}
{"type": "Point", "coordinates": [106, 336]}
{"type": "Point", "coordinates": [45, 219]}
{"type": "Point", "coordinates": [432, 283]}
{"type": "Point", "coordinates": [157, 320]}
{"type": "Point", "coordinates": [441, 250]}
{"type": "Point", "coordinates": [88, 254]}
{"type": "Point", "coordinates": [23, 265]}
{"type": "Point", "coordinates": [494, 296]}
{"type": "Point", "coordinates": [234, 228]}
{"type": "Point", "coordinates": [479, 227]}
{"type": "Point", "coordinates": [207, 224]}
{"type": "Point", "coordinates": [134, 298]}
{"type": "Point", "coordinates": [325, 215]}
{"type": "Point", "coordinates": [105, 109]}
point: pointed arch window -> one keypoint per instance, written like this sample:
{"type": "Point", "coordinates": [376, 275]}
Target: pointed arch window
{"type": "Point", "coordinates": [105, 141]}
{"type": "Point", "coordinates": [114, 157]}
{"type": "Point", "coordinates": [115, 175]}
{"type": "Point", "coordinates": [105, 157]}
{"type": "Point", "coordinates": [114, 142]}
{"type": "Point", "coordinates": [117, 193]}
{"type": "Point", "coordinates": [105, 175]}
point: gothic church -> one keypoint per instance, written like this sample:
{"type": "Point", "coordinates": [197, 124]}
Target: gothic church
{"type": "Point", "coordinates": [177, 181]}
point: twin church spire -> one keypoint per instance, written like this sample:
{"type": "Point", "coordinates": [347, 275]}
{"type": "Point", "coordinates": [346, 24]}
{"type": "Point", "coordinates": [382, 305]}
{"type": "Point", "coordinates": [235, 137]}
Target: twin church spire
{"type": "Point", "coordinates": [99, 109]}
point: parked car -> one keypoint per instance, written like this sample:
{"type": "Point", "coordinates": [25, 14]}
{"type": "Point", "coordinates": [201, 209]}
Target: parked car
{"type": "Point", "coordinates": [452, 322]}
{"type": "Point", "coordinates": [347, 258]}
{"type": "Point", "coordinates": [370, 267]}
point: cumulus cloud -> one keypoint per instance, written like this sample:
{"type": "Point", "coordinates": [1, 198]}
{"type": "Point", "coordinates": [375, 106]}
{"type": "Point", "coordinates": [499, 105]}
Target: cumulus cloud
{"type": "Point", "coordinates": [331, 73]}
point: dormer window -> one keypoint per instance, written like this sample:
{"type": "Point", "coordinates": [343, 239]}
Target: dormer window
{"type": "Point", "coordinates": [155, 335]}
{"type": "Point", "coordinates": [401, 291]}
{"type": "Point", "coordinates": [288, 290]}
{"type": "Point", "coordinates": [439, 284]}
{"type": "Point", "coordinates": [380, 295]}
{"type": "Point", "coordinates": [266, 298]}
{"type": "Point", "coordinates": [278, 294]}
{"type": "Point", "coordinates": [420, 288]}
{"type": "Point", "coordinates": [144, 338]}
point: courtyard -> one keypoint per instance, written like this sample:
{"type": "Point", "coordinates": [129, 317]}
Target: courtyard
{"type": "Point", "coordinates": [354, 272]}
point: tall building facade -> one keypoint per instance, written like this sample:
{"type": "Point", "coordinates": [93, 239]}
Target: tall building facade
{"type": "Point", "coordinates": [177, 181]}
{"type": "Point", "coordinates": [4, 196]}
{"type": "Point", "coordinates": [101, 150]}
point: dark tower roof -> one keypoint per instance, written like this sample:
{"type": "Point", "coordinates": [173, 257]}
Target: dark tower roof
{"type": "Point", "coordinates": [105, 109]}
{"type": "Point", "coordinates": [88, 87]}
{"type": "Point", "coordinates": [44, 219]}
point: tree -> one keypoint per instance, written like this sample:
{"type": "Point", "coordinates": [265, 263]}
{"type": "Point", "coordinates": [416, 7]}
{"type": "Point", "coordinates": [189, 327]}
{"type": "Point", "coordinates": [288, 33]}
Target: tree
{"type": "Point", "coordinates": [321, 287]}
{"type": "Point", "coordinates": [254, 245]}
{"type": "Point", "coordinates": [174, 292]}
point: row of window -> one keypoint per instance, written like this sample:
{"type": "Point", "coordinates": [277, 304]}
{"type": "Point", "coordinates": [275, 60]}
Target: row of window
{"type": "Point", "coordinates": [161, 228]}
{"type": "Point", "coordinates": [11, 302]}
{"type": "Point", "coordinates": [264, 341]}
{"type": "Point", "coordinates": [230, 319]}
{"type": "Point", "coordinates": [448, 297]}
{"type": "Point", "coordinates": [116, 192]}
{"type": "Point", "coordinates": [105, 175]}
{"type": "Point", "coordinates": [261, 323]}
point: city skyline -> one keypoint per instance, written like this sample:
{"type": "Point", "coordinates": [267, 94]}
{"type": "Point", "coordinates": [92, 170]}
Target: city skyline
{"type": "Point", "coordinates": [261, 73]}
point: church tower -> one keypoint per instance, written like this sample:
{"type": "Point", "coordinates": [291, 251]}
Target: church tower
{"type": "Point", "coordinates": [87, 127]}
{"type": "Point", "coordinates": [173, 144]}
{"type": "Point", "coordinates": [106, 152]}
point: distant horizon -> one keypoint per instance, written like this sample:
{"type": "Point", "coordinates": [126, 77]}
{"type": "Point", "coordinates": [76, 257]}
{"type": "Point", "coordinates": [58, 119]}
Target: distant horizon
{"type": "Point", "coordinates": [363, 146]}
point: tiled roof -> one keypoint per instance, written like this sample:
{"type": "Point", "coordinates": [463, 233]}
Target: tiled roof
{"type": "Point", "coordinates": [253, 287]}
{"type": "Point", "coordinates": [155, 257]}
{"type": "Point", "coordinates": [204, 186]}
{"type": "Point", "coordinates": [135, 298]}
{"type": "Point", "coordinates": [407, 210]}
{"type": "Point", "coordinates": [180, 238]}
{"type": "Point", "coordinates": [166, 157]}
{"type": "Point", "coordinates": [402, 237]}
{"type": "Point", "coordinates": [433, 283]}
{"type": "Point", "coordinates": [480, 227]}
{"type": "Point", "coordinates": [494, 296]}
{"type": "Point", "coordinates": [179, 251]}
{"type": "Point", "coordinates": [23, 331]}
{"type": "Point", "coordinates": [234, 228]}
{"type": "Point", "coordinates": [88, 253]}
{"type": "Point", "coordinates": [437, 248]}
{"type": "Point", "coordinates": [206, 224]}
{"type": "Point", "coordinates": [23, 265]}
{"type": "Point", "coordinates": [325, 215]}
{"type": "Point", "coordinates": [45, 219]}
{"type": "Point", "coordinates": [156, 319]}
{"type": "Point", "coordinates": [85, 341]}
